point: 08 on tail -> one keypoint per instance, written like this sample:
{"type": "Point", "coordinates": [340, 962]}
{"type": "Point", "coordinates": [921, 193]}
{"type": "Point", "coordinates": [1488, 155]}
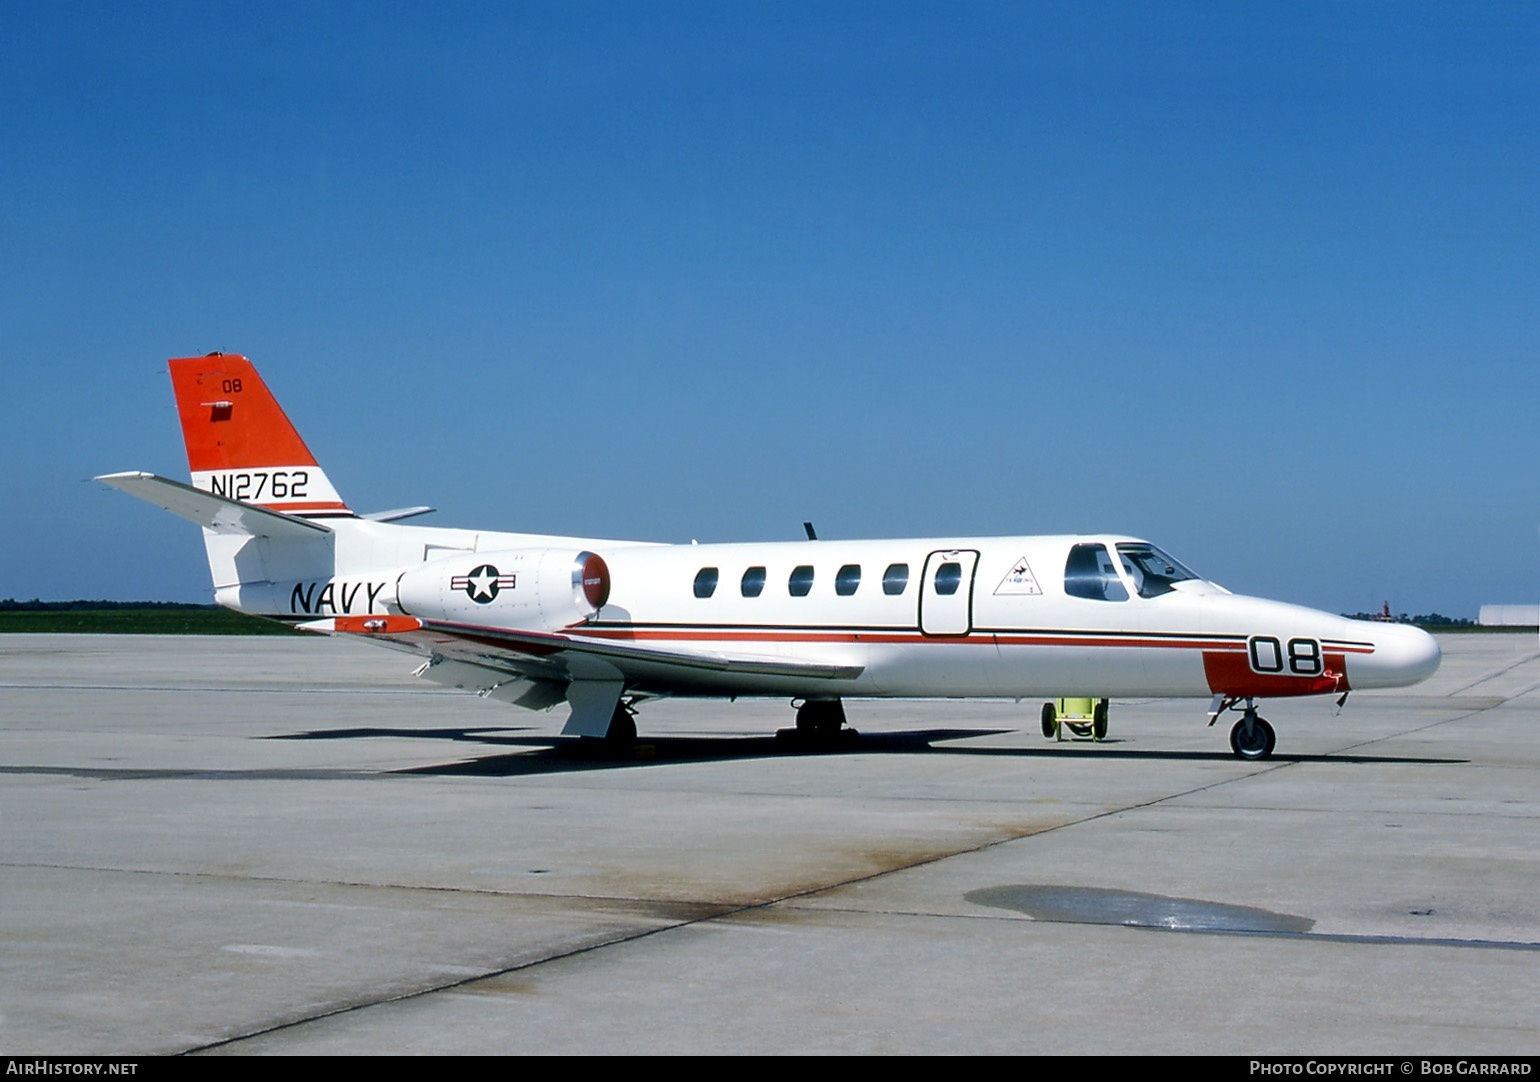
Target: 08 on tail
{"type": "Point", "coordinates": [603, 625]}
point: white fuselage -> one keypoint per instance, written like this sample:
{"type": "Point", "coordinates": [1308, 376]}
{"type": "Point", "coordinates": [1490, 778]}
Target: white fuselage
{"type": "Point", "coordinates": [995, 616]}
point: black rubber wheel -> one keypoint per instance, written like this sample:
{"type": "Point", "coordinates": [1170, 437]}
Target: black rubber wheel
{"type": "Point", "coordinates": [1257, 744]}
{"type": "Point", "coordinates": [1099, 720]}
{"type": "Point", "coordinates": [1050, 721]}
{"type": "Point", "coordinates": [622, 728]}
{"type": "Point", "coordinates": [821, 718]}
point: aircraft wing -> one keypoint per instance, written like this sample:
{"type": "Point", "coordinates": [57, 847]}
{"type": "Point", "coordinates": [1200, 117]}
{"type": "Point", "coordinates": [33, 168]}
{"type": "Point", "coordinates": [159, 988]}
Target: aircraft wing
{"type": "Point", "coordinates": [216, 513]}
{"type": "Point", "coordinates": [571, 656]}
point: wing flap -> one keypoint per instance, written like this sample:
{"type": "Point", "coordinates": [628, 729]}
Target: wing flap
{"type": "Point", "coordinates": [498, 683]}
{"type": "Point", "coordinates": [542, 643]}
{"type": "Point", "coordinates": [548, 655]}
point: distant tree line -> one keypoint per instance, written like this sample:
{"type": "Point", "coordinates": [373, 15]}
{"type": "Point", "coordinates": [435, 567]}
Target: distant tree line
{"type": "Point", "coordinates": [1431, 619]}
{"type": "Point", "coordinates": [10, 604]}
{"type": "Point", "coordinates": [100, 617]}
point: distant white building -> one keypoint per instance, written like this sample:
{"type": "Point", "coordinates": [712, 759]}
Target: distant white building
{"type": "Point", "coordinates": [1509, 616]}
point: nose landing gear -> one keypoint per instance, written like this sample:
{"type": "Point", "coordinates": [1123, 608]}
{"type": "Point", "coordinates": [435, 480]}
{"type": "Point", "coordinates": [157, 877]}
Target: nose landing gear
{"type": "Point", "coordinates": [1251, 737]}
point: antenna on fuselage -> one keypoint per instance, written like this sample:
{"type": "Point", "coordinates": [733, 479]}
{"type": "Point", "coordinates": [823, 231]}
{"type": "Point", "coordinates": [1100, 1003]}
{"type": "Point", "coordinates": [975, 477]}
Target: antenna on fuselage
{"type": "Point", "coordinates": [812, 534]}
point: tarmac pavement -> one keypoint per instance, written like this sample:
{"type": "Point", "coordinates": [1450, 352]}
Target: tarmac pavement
{"type": "Point", "coordinates": [255, 845]}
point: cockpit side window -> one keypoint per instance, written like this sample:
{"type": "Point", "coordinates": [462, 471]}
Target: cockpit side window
{"type": "Point", "coordinates": [1089, 573]}
{"type": "Point", "coordinates": [1153, 571]}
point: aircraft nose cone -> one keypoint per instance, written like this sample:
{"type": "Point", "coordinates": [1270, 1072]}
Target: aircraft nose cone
{"type": "Point", "coordinates": [1403, 655]}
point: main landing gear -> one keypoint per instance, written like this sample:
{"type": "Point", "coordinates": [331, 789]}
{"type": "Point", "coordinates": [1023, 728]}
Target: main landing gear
{"type": "Point", "coordinates": [622, 731]}
{"type": "Point", "coordinates": [1251, 737]}
{"type": "Point", "coordinates": [820, 723]}
{"type": "Point", "coordinates": [619, 739]}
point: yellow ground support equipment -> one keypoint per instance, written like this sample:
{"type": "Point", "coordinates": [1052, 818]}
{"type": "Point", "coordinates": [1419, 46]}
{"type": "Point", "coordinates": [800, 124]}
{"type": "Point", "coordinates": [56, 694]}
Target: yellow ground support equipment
{"type": "Point", "coordinates": [1086, 719]}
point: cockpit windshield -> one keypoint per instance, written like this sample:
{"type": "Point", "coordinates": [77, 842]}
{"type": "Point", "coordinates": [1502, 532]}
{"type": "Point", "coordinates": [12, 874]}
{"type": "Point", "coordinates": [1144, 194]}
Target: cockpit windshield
{"type": "Point", "coordinates": [1153, 571]}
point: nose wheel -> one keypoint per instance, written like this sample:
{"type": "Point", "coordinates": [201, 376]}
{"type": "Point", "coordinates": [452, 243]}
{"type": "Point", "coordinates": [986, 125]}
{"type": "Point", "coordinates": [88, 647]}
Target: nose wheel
{"type": "Point", "coordinates": [1252, 737]}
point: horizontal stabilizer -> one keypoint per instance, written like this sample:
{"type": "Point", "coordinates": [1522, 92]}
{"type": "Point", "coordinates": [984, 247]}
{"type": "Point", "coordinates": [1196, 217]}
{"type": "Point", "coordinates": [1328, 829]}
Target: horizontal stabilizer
{"type": "Point", "coordinates": [399, 514]}
{"type": "Point", "coordinates": [216, 513]}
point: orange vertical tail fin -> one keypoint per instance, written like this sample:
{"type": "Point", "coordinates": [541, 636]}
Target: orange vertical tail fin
{"type": "Point", "coordinates": [240, 443]}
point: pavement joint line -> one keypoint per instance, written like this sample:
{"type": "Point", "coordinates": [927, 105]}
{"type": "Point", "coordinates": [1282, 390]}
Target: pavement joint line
{"type": "Point", "coordinates": [1526, 659]}
{"type": "Point", "coordinates": [445, 986]}
{"type": "Point", "coordinates": [227, 690]}
{"type": "Point", "coordinates": [428, 888]}
{"type": "Point", "coordinates": [726, 913]}
{"type": "Point", "coordinates": [1470, 713]}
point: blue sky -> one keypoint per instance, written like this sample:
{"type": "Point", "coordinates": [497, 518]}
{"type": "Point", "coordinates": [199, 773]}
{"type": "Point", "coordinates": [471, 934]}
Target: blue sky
{"type": "Point", "coordinates": [1257, 282]}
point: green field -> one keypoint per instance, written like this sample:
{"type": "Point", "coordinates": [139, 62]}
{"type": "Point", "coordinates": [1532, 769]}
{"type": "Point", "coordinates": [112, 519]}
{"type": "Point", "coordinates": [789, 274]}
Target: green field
{"type": "Point", "coordinates": [130, 620]}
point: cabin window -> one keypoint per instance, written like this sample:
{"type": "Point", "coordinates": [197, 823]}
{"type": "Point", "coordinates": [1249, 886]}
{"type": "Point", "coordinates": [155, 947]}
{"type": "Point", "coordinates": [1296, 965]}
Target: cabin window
{"type": "Point", "coordinates": [848, 579]}
{"type": "Point", "coordinates": [753, 582]}
{"type": "Point", "coordinates": [1152, 570]}
{"type": "Point", "coordinates": [895, 579]}
{"type": "Point", "coordinates": [801, 581]}
{"type": "Point", "coordinates": [1089, 573]}
{"type": "Point", "coordinates": [948, 578]}
{"type": "Point", "coordinates": [706, 582]}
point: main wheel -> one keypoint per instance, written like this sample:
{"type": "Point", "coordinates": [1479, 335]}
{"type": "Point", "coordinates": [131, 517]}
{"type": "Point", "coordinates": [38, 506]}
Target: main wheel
{"type": "Point", "coordinates": [1099, 720]}
{"type": "Point", "coordinates": [821, 718]}
{"type": "Point", "coordinates": [622, 728]}
{"type": "Point", "coordinates": [1050, 721]}
{"type": "Point", "coordinates": [1256, 744]}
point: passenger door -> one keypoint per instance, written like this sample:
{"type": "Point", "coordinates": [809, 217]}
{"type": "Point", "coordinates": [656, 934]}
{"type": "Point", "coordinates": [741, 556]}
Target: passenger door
{"type": "Point", "coordinates": [946, 592]}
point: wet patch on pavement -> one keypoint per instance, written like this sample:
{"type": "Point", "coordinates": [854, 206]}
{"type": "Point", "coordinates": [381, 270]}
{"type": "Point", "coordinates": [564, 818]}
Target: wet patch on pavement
{"type": "Point", "coordinates": [1135, 909]}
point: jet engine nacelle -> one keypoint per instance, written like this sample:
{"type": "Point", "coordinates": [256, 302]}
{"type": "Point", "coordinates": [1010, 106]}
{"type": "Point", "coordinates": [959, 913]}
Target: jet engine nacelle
{"type": "Point", "coordinates": [535, 589]}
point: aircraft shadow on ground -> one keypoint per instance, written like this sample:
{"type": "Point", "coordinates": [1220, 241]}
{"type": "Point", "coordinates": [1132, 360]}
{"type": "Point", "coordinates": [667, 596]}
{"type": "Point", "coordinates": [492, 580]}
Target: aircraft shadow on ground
{"type": "Point", "coordinates": [547, 754]}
